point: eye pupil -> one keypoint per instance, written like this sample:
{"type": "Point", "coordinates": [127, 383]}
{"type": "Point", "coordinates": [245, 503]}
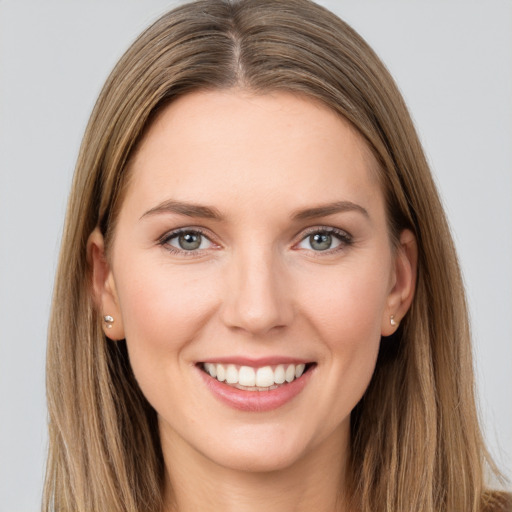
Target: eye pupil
{"type": "Point", "coordinates": [189, 241]}
{"type": "Point", "coordinates": [320, 241]}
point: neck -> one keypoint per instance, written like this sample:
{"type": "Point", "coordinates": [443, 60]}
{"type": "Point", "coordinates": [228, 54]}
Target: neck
{"type": "Point", "coordinates": [315, 482]}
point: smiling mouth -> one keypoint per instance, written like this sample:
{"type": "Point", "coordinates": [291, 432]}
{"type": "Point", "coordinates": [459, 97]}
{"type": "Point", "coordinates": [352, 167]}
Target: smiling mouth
{"type": "Point", "coordinates": [248, 378]}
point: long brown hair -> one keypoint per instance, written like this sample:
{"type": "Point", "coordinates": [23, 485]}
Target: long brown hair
{"type": "Point", "coordinates": [415, 439]}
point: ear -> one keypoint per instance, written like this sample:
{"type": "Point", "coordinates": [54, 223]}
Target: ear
{"type": "Point", "coordinates": [402, 291]}
{"type": "Point", "coordinates": [103, 286]}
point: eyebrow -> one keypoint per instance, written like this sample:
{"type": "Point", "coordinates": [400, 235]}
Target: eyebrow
{"type": "Point", "coordinates": [184, 208]}
{"type": "Point", "coordinates": [207, 212]}
{"type": "Point", "coordinates": [330, 209]}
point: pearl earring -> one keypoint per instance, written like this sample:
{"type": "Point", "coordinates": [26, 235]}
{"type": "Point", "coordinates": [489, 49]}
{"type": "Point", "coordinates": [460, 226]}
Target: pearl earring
{"type": "Point", "coordinates": [108, 321]}
{"type": "Point", "coordinates": [392, 321]}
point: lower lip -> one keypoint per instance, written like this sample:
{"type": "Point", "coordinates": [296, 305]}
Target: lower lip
{"type": "Point", "coordinates": [255, 401]}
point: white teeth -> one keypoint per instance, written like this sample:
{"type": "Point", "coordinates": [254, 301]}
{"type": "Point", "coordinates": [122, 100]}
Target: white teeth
{"type": "Point", "coordinates": [279, 374]}
{"type": "Point", "coordinates": [247, 376]}
{"type": "Point", "coordinates": [299, 370]}
{"type": "Point", "coordinates": [256, 378]}
{"type": "Point", "coordinates": [264, 377]}
{"type": "Point", "coordinates": [231, 374]}
{"type": "Point", "coordinates": [221, 373]}
{"type": "Point", "coordinates": [211, 369]}
{"type": "Point", "coordinates": [290, 373]}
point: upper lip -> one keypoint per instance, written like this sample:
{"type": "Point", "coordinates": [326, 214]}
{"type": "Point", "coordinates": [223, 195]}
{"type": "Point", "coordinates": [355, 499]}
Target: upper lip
{"type": "Point", "coordinates": [257, 362]}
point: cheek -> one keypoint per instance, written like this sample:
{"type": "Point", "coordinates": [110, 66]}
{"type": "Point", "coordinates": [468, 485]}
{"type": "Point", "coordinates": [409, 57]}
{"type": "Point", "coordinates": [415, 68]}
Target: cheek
{"type": "Point", "coordinates": [346, 310]}
{"type": "Point", "coordinates": [162, 306]}
{"type": "Point", "coordinates": [347, 305]}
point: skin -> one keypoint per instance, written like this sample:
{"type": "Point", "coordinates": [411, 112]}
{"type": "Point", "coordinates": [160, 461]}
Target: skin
{"type": "Point", "coordinates": [257, 287]}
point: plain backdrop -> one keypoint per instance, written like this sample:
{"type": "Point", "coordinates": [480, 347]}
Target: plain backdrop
{"type": "Point", "coordinates": [451, 59]}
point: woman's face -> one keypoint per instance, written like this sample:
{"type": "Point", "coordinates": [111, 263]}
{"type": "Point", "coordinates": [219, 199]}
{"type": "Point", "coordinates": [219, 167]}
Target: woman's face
{"type": "Point", "coordinates": [252, 245]}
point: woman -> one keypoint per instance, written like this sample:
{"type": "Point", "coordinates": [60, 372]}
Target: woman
{"type": "Point", "coordinates": [258, 302]}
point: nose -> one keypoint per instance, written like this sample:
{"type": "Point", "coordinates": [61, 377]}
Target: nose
{"type": "Point", "coordinates": [257, 298]}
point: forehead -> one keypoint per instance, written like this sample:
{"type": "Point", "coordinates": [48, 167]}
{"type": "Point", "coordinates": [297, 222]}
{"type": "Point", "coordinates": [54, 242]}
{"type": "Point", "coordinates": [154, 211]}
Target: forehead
{"type": "Point", "coordinates": [213, 146]}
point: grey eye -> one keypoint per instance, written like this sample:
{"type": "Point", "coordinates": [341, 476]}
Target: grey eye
{"type": "Point", "coordinates": [189, 241]}
{"type": "Point", "coordinates": [320, 241]}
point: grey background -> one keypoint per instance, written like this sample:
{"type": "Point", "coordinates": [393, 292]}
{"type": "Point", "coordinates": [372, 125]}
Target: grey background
{"type": "Point", "coordinates": [452, 60]}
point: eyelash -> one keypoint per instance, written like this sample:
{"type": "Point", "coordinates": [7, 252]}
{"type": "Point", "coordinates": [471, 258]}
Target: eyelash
{"type": "Point", "coordinates": [343, 237]}
{"type": "Point", "coordinates": [167, 237]}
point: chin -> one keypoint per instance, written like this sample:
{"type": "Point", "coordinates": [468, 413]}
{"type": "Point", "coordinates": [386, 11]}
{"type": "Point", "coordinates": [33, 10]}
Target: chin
{"type": "Point", "coordinates": [261, 449]}
{"type": "Point", "coordinates": [258, 460]}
